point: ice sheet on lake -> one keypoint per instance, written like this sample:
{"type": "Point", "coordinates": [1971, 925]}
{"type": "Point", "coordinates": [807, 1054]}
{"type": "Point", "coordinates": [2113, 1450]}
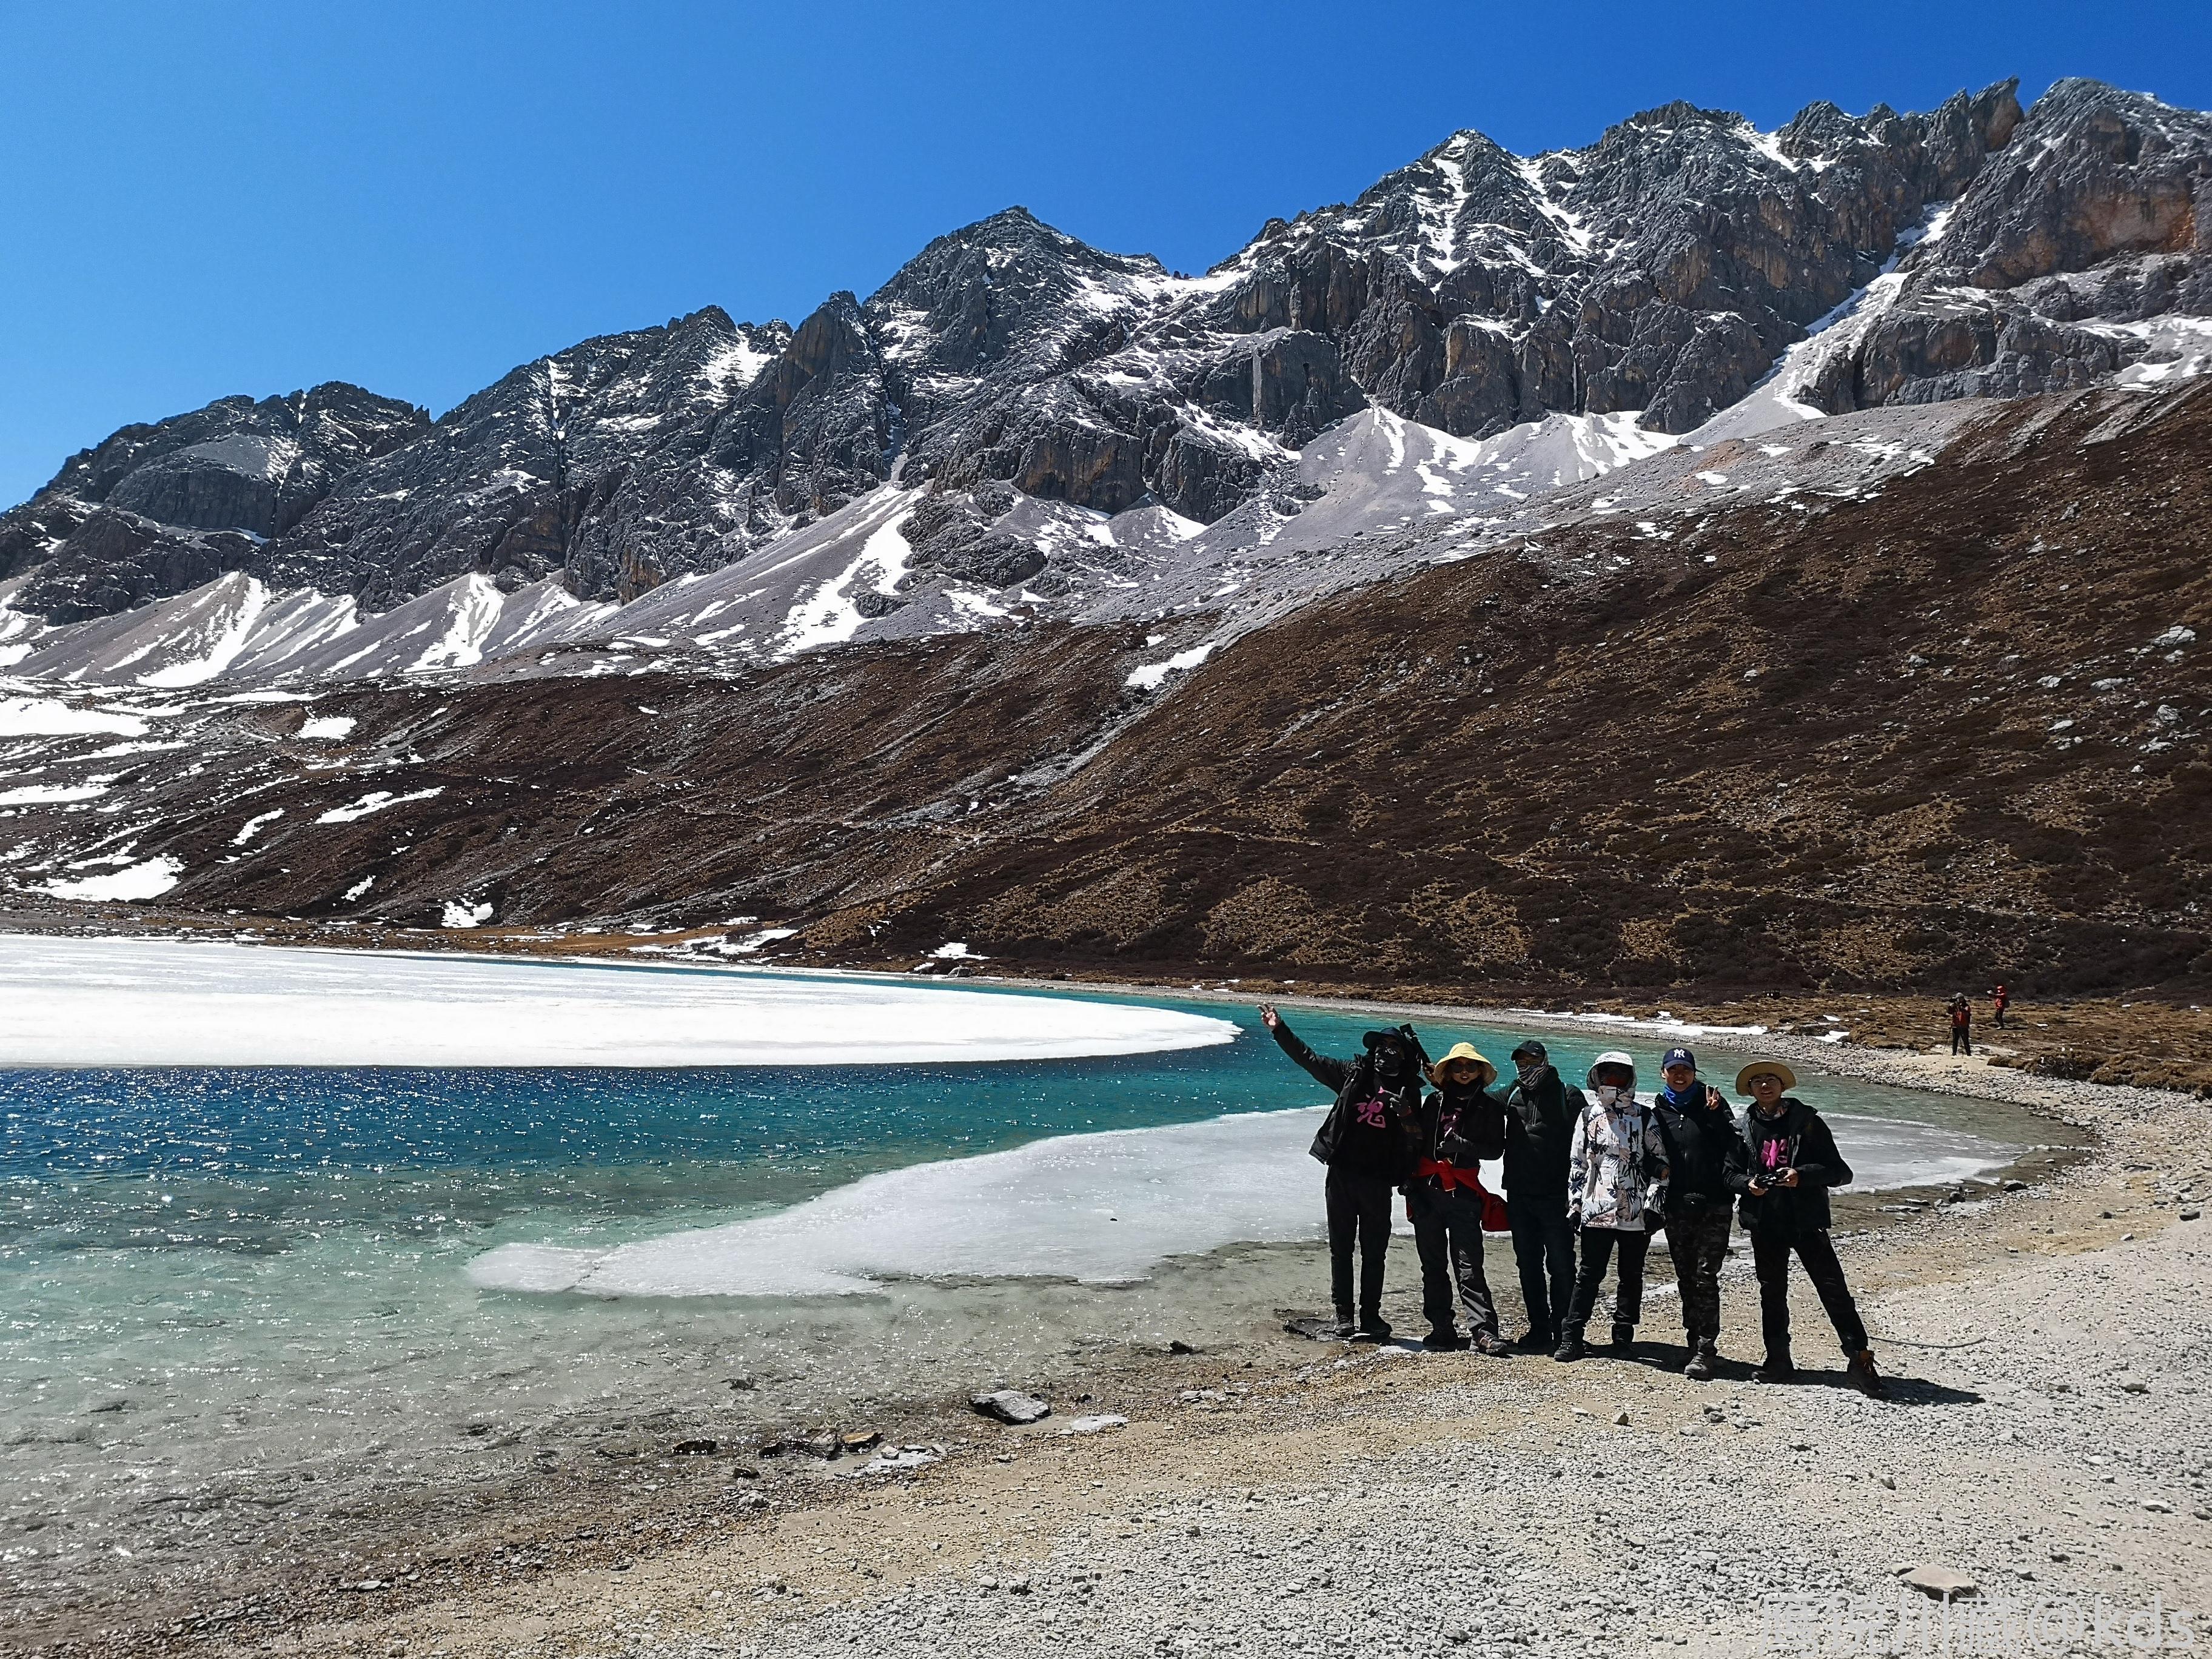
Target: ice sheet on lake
{"type": "Point", "coordinates": [140, 1002]}
{"type": "Point", "coordinates": [1106, 1207]}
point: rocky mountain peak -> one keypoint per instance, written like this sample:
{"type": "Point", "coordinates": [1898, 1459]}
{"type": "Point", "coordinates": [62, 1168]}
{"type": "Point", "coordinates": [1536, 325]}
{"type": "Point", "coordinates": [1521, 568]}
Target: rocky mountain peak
{"type": "Point", "coordinates": [1009, 290]}
{"type": "Point", "coordinates": [1602, 298]}
{"type": "Point", "coordinates": [161, 507]}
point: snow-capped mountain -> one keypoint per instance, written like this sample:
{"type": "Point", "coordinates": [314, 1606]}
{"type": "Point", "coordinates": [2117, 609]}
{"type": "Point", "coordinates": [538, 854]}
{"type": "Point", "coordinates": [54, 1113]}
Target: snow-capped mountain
{"type": "Point", "coordinates": [1019, 427]}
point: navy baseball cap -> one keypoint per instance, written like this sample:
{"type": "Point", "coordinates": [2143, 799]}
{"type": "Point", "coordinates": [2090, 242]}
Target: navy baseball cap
{"type": "Point", "coordinates": [1679, 1057]}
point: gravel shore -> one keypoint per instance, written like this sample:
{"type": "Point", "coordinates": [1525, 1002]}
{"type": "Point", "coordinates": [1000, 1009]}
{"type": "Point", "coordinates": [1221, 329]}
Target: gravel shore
{"type": "Point", "coordinates": [2044, 1440]}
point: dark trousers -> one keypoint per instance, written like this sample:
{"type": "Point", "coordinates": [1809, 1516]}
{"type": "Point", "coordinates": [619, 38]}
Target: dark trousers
{"type": "Point", "coordinates": [1962, 1040]}
{"type": "Point", "coordinates": [1598, 1245]}
{"type": "Point", "coordinates": [1448, 1233]}
{"type": "Point", "coordinates": [1698, 1239]}
{"type": "Point", "coordinates": [1770, 1256]}
{"type": "Point", "coordinates": [1544, 1248]}
{"type": "Point", "coordinates": [1358, 1208]}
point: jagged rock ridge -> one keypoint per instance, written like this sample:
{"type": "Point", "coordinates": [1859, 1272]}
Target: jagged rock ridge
{"type": "Point", "coordinates": [1658, 276]}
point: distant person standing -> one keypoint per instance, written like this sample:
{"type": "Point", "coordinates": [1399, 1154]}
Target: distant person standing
{"type": "Point", "coordinates": [1366, 1141]}
{"type": "Point", "coordinates": [1461, 1125]}
{"type": "Point", "coordinates": [1616, 1183]}
{"type": "Point", "coordinates": [1705, 1160]}
{"type": "Point", "coordinates": [1962, 1025]}
{"type": "Point", "coordinates": [1540, 1113]}
{"type": "Point", "coordinates": [2000, 999]}
{"type": "Point", "coordinates": [1790, 1161]}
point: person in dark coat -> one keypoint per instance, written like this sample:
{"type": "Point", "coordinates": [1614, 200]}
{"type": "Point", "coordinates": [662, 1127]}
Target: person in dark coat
{"type": "Point", "coordinates": [1962, 1025]}
{"type": "Point", "coordinates": [1367, 1143]}
{"type": "Point", "coordinates": [1460, 1125]}
{"type": "Point", "coordinates": [1541, 1109]}
{"type": "Point", "coordinates": [1790, 1160]}
{"type": "Point", "coordinates": [1704, 1153]}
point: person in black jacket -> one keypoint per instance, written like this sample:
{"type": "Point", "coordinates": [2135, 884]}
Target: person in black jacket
{"type": "Point", "coordinates": [1790, 1161]}
{"type": "Point", "coordinates": [1704, 1152]}
{"type": "Point", "coordinates": [1460, 1125]}
{"type": "Point", "coordinates": [1366, 1142]}
{"type": "Point", "coordinates": [1541, 1109]}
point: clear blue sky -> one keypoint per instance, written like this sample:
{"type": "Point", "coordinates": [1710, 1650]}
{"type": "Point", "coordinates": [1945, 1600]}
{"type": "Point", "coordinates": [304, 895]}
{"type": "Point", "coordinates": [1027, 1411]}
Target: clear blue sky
{"type": "Point", "coordinates": [206, 199]}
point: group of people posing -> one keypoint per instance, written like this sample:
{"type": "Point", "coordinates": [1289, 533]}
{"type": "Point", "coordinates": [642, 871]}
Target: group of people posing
{"type": "Point", "coordinates": [1603, 1171]}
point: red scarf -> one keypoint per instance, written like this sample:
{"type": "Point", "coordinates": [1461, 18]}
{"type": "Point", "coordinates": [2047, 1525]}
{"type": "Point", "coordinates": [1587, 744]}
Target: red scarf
{"type": "Point", "coordinates": [1452, 1177]}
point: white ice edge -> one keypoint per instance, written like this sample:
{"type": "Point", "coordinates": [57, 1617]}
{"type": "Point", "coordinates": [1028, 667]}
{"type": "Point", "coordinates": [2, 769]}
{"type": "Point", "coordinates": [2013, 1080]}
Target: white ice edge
{"type": "Point", "coordinates": [1105, 1207]}
{"type": "Point", "coordinates": [140, 1002]}
{"type": "Point", "coordinates": [1631, 1022]}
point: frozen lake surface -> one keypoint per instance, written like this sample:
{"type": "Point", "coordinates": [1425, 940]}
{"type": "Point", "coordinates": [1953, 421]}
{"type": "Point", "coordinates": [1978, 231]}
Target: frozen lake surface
{"type": "Point", "coordinates": [1102, 1208]}
{"type": "Point", "coordinates": [142, 1002]}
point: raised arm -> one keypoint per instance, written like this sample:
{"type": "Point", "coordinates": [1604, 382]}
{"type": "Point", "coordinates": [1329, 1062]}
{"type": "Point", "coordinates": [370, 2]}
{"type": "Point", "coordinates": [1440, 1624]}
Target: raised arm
{"type": "Point", "coordinates": [1331, 1074]}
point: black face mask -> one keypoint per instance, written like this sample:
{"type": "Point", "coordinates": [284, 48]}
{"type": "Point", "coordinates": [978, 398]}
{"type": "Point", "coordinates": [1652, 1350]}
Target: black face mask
{"type": "Point", "coordinates": [1388, 1051]}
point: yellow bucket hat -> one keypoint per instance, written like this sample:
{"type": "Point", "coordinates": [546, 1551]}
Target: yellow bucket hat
{"type": "Point", "coordinates": [1464, 1051]}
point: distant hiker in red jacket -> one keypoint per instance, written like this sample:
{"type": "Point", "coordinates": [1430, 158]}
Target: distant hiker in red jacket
{"type": "Point", "coordinates": [1962, 1026]}
{"type": "Point", "coordinates": [1998, 1000]}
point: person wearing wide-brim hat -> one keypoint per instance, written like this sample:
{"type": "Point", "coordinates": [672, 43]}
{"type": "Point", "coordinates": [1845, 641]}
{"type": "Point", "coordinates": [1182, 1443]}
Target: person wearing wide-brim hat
{"type": "Point", "coordinates": [1366, 1142]}
{"type": "Point", "coordinates": [1459, 1126]}
{"type": "Point", "coordinates": [1791, 1162]}
{"type": "Point", "coordinates": [1464, 1061]}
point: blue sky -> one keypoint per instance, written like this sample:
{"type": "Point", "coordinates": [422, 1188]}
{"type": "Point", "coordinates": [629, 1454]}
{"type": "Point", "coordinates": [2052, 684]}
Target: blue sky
{"type": "Point", "coordinates": [196, 201]}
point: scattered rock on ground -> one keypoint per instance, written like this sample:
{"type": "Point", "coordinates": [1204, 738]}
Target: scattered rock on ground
{"type": "Point", "coordinates": [1010, 1406]}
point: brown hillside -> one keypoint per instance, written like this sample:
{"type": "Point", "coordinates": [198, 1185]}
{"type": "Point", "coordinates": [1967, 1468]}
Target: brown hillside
{"type": "Point", "coordinates": [1940, 734]}
{"type": "Point", "coordinates": [1786, 748]}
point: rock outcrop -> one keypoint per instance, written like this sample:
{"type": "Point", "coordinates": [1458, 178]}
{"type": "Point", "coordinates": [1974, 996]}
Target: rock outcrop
{"type": "Point", "coordinates": [159, 509]}
{"type": "Point", "coordinates": [1659, 276]}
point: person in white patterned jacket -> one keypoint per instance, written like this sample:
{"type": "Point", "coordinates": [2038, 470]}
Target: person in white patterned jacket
{"type": "Point", "coordinates": [1616, 1193]}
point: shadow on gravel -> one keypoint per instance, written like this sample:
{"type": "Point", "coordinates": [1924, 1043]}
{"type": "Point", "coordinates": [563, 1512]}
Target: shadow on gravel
{"type": "Point", "coordinates": [1903, 1390]}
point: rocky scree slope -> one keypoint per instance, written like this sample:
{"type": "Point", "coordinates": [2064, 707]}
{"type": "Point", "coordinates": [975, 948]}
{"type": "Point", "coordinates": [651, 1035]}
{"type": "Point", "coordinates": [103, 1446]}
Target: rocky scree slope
{"type": "Point", "coordinates": [1022, 419]}
{"type": "Point", "coordinates": [1945, 727]}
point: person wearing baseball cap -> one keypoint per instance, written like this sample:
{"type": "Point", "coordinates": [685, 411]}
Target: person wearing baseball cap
{"type": "Point", "coordinates": [1704, 1153]}
{"type": "Point", "coordinates": [1790, 1161]}
{"type": "Point", "coordinates": [1541, 1110]}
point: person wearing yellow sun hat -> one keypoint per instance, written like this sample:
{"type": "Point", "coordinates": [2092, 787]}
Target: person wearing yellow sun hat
{"type": "Point", "coordinates": [1459, 1126]}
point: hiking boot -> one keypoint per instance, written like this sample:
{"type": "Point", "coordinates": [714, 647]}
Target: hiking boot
{"type": "Point", "coordinates": [1536, 1340]}
{"type": "Point", "coordinates": [1570, 1346]}
{"type": "Point", "coordinates": [1867, 1380]}
{"type": "Point", "coordinates": [1342, 1327]}
{"type": "Point", "coordinates": [1623, 1336]}
{"type": "Point", "coordinates": [1489, 1342]}
{"type": "Point", "coordinates": [1701, 1366]}
{"type": "Point", "coordinates": [1373, 1328]}
{"type": "Point", "coordinates": [1775, 1368]}
{"type": "Point", "coordinates": [1441, 1340]}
